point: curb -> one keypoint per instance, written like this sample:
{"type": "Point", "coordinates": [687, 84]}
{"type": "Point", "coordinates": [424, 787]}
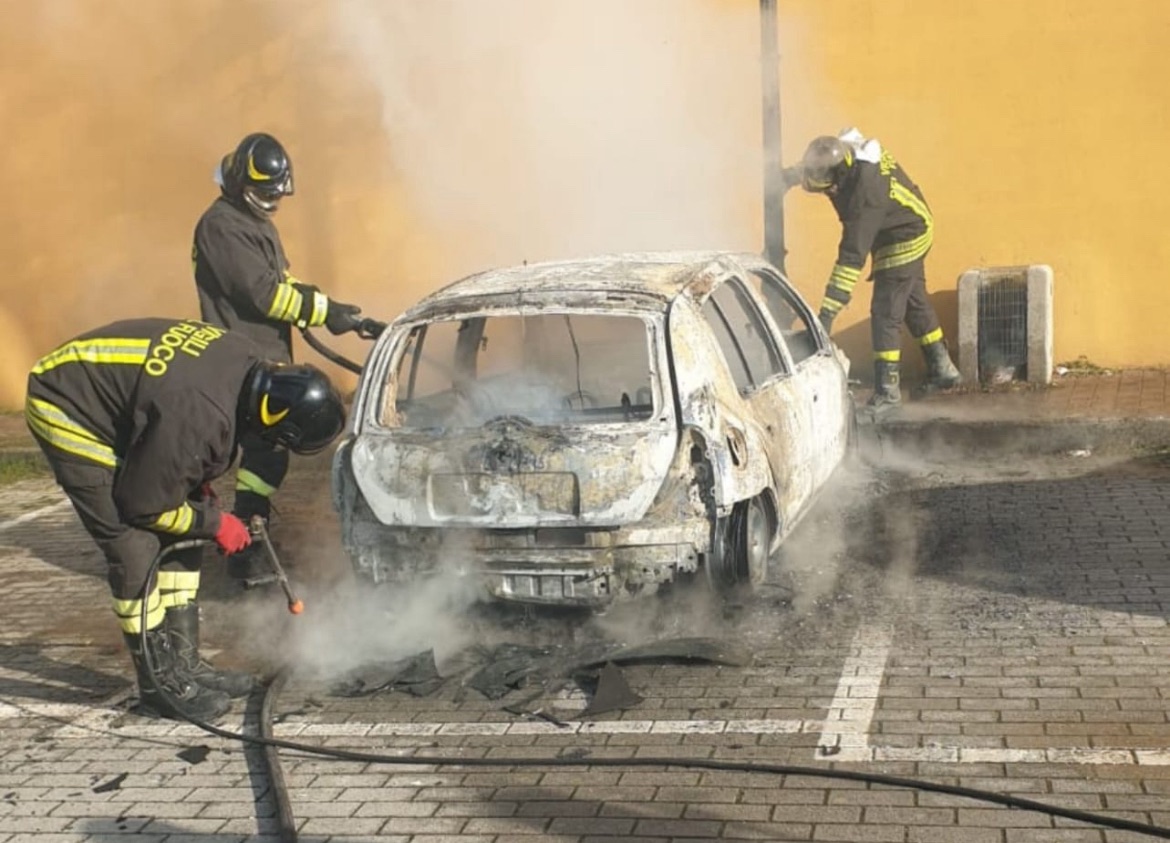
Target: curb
{"type": "Point", "coordinates": [942, 438]}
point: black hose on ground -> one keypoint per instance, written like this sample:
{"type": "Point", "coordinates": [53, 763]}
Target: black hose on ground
{"type": "Point", "coordinates": [287, 822]}
{"type": "Point", "coordinates": [285, 819]}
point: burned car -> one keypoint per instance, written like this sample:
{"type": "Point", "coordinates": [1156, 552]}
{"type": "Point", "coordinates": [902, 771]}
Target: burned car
{"type": "Point", "coordinates": [576, 432]}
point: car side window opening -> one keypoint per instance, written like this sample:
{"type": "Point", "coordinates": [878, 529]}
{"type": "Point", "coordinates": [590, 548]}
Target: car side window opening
{"type": "Point", "coordinates": [554, 367]}
{"type": "Point", "coordinates": [794, 321]}
{"type": "Point", "coordinates": [743, 337]}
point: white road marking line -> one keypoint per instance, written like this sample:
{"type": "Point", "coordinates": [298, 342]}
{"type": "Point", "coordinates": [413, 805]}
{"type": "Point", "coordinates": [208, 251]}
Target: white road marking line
{"type": "Point", "coordinates": [845, 735]}
{"type": "Point", "coordinates": [844, 731]}
{"type": "Point", "coordinates": [35, 514]}
{"type": "Point", "coordinates": [97, 721]}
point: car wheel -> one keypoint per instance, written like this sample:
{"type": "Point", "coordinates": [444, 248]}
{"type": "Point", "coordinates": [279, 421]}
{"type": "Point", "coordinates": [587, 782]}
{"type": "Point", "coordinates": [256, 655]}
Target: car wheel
{"type": "Point", "coordinates": [739, 551]}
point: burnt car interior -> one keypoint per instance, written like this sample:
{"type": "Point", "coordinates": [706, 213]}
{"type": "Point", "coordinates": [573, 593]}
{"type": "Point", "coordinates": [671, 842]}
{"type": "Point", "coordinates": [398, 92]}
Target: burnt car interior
{"type": "Point", "coordinates": [547, 368]}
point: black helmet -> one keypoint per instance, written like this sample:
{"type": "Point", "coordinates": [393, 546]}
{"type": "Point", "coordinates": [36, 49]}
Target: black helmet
{"type": "Point", "coordinates": [259, 172]}
{"type": "Point", "coordinates": [824, 162]}
{"type": "Point", "coordinates": [291, 405]}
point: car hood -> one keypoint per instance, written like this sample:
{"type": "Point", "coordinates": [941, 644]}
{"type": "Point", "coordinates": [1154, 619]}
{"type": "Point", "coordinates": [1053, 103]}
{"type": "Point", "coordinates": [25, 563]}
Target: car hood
{"type": "Point", "coordinates": [512, 474]}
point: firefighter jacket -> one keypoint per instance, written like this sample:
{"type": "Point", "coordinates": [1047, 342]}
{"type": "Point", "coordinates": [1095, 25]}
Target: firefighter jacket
{"type": "Point", "coordinates": [883, 213]}
{"type": "Point", "coordinates": [243, 279]}
{"type": "Point", "coordinates": [154, 401]}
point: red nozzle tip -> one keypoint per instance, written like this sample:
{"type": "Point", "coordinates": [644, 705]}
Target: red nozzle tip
{"type": "Point", "coordinates": [296, 607]}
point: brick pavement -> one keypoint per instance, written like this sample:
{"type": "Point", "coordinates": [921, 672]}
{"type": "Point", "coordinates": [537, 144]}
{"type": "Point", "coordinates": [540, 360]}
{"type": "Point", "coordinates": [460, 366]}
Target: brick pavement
{"type": "Point", "coordinates": [998, 627]}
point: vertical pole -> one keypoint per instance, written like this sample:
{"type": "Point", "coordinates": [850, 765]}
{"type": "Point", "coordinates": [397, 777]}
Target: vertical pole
{"type": "Point", "coordinates": [774, 249]}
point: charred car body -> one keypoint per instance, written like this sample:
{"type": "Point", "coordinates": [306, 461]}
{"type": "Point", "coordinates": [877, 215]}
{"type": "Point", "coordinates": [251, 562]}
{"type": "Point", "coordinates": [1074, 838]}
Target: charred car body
{"type": "Point", "coordinates": [571, 433]}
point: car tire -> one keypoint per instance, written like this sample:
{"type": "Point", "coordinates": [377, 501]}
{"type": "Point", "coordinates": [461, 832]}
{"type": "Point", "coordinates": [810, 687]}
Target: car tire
{"type": "Point", "coordinates": [738, 560]}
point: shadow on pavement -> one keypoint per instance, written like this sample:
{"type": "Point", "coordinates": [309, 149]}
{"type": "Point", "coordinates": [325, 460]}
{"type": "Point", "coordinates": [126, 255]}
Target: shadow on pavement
{"type": "Point", "coordinates": [1098, 539]}
{"type": "Point", "coordinates": [29, 673]}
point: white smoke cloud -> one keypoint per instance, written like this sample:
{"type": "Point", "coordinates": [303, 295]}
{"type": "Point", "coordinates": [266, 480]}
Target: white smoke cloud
{"type": "Point", "coordinates": [559, 128]}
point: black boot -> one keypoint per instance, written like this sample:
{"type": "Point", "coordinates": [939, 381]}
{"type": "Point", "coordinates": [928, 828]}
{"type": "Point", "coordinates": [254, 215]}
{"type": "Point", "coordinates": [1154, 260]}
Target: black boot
{"type": "Point", "coordinates": [182, 625]}
{"type": "Point", "coordinates": [183, 698]}
{"type": "Point", "coordinates": [941, 372]}
{"type": "Point", "coordinates": [887, 392]}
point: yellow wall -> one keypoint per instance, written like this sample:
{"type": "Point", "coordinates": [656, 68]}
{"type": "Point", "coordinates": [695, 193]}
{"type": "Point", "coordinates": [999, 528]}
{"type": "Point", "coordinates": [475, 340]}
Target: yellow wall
{"type": "Point", "coordinates": [432, 139]}
{"type": "Point", "coordinates": [1036, 130]}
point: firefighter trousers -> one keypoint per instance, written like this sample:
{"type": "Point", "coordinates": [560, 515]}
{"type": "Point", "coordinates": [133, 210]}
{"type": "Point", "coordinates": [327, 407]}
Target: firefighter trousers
{"type": "Point", "coordinates": [129, 551]}
{"type": "Point", "coordinates": [899, 296]}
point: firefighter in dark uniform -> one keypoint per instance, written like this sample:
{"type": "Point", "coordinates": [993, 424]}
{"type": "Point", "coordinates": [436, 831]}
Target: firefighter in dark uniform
{"type": "Point", "coordinates": [884, 215]}
{"type": "Point", "coordinates": [244, 285]}
{"type": "Point", "coordinates": [136, 419]}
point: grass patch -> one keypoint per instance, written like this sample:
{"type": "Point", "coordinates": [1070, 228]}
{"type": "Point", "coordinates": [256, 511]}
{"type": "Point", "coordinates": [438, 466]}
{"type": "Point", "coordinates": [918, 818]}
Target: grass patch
{"type": "Point", "coordinates": [1082, 366]}
{"type": "Point", "coordinates": [22, 465]}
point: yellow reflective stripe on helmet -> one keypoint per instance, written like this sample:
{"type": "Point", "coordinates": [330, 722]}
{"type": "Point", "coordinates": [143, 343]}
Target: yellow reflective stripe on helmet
{"type": "Point", "coordinates": [176, 521]}
{"type": "Point", "coordinates": [129, 613]}
{"type": "Point", "coordinates": [255, 174]}
{"type": "Point", "coordinates": [53, 425]}
{"type": "Point", "coordinates": [931, 338]}
{"type": "Point", "coordinates": [177, 588]}
{"type": "Point", "coordinates": [246, 481]}
{"type": "Point", "coordinates": [889, 356]}
{"type": "Point", "coordinates": [127, 351]}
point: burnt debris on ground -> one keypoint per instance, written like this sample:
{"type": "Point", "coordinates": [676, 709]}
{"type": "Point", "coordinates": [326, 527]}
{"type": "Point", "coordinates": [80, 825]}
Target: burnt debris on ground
{"type": "Point", "coordinates": [518, 674]}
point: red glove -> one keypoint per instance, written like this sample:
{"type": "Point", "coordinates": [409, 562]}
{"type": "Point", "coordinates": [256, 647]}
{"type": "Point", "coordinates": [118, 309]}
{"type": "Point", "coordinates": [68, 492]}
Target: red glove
{"type": "Point", "coordinates": [232, 536]}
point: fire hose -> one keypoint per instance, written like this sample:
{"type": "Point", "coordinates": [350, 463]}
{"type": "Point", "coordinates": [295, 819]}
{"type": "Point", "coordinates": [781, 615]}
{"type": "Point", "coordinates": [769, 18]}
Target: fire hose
{"type": "Point", "coordinates": [287, 821]}
{"type": "Point", "coordinates": [367, 329]}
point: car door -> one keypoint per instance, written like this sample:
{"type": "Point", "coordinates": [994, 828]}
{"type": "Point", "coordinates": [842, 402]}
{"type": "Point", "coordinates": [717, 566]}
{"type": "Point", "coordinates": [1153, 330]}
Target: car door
{"type": "Point", "coordinates": [776, 410]}
{"type": "Point", "coordinates": [817, 373]}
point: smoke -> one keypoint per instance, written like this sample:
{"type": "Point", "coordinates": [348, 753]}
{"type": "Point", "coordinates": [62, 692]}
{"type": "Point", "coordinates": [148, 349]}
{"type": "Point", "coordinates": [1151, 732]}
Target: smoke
{"type": "Point", "coordinates": [349, 622]}
{"type": "Point", "coordinates": [430, 140]}
{"type": "Point", "coordinates": [537, 130]}
{"type": "Point", "coordinates": [357, 625]}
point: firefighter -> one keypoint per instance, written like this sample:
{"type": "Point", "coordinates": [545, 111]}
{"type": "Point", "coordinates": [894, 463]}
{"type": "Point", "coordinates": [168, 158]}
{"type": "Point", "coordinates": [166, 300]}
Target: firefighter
{"type": "Point", "coordinates": [883, 214]}
{"type": "Point", "coordinates": [244, 284]}
{"type": "Point", "coordinates": [136, 419]}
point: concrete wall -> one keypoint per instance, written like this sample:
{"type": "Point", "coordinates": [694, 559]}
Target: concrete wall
{"type": "Point", "coordinates": [432, 139]}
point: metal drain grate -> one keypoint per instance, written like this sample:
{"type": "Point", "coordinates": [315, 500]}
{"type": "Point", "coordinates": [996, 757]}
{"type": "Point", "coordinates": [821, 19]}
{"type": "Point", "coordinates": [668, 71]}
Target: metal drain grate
{"type": "Point", "coordinates": [1003, 328]}
{"type": "Point", "coordinates": [1005, 324]}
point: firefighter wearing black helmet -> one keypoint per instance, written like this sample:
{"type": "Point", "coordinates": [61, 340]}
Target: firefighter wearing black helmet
{"type": "Point", "coordinates": [245, 284]}
{"type": "Point", "coordinates": [883, 215]}
{"type": "Point", "coordinates": [136, 419]}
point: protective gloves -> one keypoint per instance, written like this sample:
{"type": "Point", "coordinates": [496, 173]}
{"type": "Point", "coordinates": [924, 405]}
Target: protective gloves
{"type": "Point", "coordinates": [342, 318]}
{"type": "Point", "coordinates": [232, 536]}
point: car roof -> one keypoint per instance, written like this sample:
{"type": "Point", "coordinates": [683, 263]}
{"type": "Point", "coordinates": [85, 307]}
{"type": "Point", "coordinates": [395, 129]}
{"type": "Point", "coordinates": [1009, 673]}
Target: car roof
{"type": "Point", "coordinates": [655, 275]}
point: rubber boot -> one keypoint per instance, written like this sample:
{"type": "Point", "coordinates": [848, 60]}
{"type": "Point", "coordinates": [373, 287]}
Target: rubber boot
{"type": "Point", "coordinates": [182, 625]}
{"type": "Point", "coordinates": [887, 392]}
{"type": "Point", "coordinates": [941, 372]}
{"type": "Point", "coordinates": [183, 698]}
